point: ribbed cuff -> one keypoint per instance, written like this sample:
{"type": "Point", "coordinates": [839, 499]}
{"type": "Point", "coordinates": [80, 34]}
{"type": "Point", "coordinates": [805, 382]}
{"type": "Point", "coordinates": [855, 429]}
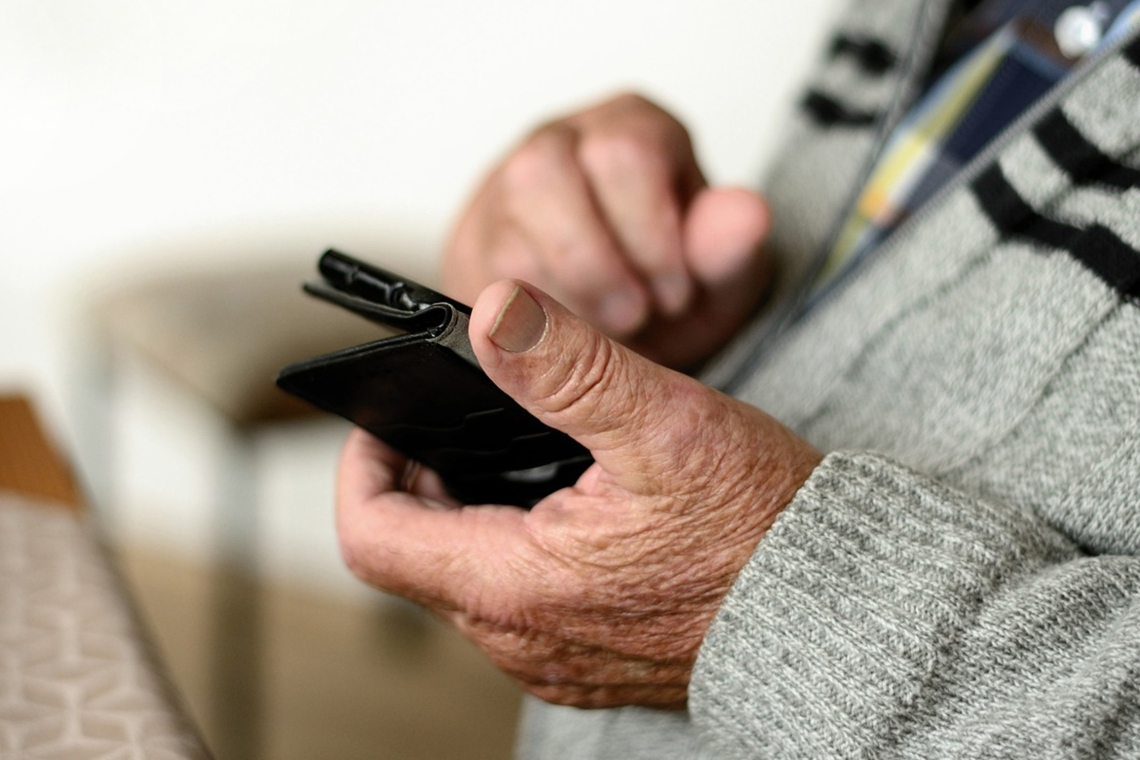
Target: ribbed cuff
{"type": "Point", "coordinates": [844, 610]}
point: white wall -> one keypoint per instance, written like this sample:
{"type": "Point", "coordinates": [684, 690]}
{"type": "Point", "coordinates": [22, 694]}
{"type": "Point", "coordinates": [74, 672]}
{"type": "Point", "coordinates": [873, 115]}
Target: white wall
{"type": "Point", "coordinates": [129, 123]}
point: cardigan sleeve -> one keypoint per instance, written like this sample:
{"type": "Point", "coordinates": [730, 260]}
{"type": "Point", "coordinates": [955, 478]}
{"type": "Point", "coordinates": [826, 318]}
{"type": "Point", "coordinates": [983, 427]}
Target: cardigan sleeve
{"type": "Point", "coordinates": [886, 615]}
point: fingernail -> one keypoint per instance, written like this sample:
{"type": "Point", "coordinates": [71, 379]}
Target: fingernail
{"type": "Point", "coordinates": [621, 310]}
{"type": "Point", "coordinates": [520, 325]}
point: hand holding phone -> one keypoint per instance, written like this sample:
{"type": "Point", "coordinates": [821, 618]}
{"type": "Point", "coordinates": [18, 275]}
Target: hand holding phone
{"type": "Point", "coordinates": [423, 393]}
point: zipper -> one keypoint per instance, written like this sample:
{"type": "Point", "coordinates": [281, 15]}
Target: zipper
{"type": "Point", "coordinates": [806, 303]}
{"type": "Point", "coordinates": [918, 56]}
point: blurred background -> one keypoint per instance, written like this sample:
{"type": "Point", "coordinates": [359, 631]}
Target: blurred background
{"type": "Point", "coordinates": [169, 172]}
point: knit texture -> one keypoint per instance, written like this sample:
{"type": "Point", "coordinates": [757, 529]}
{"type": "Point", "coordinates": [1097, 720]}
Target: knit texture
{"type": "Point", "coordinates": [891, 615]}
{"type": "Point", "coordinates": [960, 577]}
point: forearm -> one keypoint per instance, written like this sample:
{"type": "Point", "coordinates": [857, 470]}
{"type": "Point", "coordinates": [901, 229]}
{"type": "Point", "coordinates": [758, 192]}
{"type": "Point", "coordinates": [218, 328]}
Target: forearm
{"type": "Point", "coordinates": [887, 614]}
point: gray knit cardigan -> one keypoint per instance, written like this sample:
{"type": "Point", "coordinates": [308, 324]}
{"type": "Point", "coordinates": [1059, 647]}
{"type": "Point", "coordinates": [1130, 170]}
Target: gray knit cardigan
{"type": "Point", "coordinates": [960, 576]}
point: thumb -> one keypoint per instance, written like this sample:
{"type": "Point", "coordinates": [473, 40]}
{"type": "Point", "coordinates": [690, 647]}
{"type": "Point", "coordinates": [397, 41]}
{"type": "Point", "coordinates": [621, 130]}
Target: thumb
{"type": "Point", "coordinates": [637, 418]}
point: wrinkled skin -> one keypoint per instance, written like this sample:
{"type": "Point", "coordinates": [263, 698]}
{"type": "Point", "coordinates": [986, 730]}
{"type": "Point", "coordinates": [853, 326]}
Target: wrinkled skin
{"type": "Point", "coordinates": [608, 211]}
{"type": "Point", "coordinates": [602, 593]}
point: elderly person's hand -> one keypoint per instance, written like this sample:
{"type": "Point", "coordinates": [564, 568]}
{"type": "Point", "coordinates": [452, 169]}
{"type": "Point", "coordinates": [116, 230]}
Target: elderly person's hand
{"type": "Point", "coordinates": [602, 593]}
{"type": "Point", "coordinates": [607, 210]}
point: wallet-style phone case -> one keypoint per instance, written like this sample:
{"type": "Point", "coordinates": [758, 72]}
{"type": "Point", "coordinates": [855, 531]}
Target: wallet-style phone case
{"type": "Point", "coordinates": [423, 393]}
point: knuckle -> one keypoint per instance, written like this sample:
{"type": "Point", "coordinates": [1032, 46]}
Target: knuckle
{"type": "Point", "coordinates": [583, 381]}
{"type": "Point", "coordinates": [539, 160]}
{"type": "Point", "coordinates": [620, 152]}
{"type": "Point", "coordinates": [630, 100]}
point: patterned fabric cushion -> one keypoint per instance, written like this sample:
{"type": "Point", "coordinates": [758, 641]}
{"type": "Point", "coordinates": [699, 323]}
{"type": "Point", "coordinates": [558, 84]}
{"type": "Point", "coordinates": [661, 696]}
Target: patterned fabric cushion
{"type": "Point", "coordinates": [77, 677]}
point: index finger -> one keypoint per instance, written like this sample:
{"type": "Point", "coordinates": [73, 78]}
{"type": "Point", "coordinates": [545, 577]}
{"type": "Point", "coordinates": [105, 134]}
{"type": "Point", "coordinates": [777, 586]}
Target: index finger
{"type": "Point", "coordinates": [413, 545]}
{"type": "Point", "coordinates": [638, 186]}
{"type": "Point", "coordinates": [640, 163]}
{"type": "Point", "coordinates": [550, 201]}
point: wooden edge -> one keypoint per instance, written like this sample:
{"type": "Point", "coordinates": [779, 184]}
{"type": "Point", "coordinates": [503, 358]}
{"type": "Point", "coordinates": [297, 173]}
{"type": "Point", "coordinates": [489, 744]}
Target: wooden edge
{"type": "Point", "coordinates": [29, 464]}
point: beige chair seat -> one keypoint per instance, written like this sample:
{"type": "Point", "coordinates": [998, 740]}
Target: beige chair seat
{"type": "Point", "coordinates": [224, 335]}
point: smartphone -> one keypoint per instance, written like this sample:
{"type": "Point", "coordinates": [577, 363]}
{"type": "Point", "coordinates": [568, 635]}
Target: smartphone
{"type": "Point", "coordinates": [423, 392]}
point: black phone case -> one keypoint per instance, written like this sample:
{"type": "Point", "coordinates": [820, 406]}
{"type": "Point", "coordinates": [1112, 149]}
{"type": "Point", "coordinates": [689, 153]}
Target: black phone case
{"type": "Point", "coordinates": [424, 394]}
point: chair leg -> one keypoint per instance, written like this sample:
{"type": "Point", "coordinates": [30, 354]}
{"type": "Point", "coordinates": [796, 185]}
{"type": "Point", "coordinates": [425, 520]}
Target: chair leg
{"type": "Point", "coordinates": [236, 626]}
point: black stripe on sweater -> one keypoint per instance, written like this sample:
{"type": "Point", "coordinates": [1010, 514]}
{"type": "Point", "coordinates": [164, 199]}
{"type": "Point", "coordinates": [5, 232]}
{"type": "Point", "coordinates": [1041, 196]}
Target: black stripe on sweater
{"type": "Point", "coordinates": [1101, 250]}
{"type": "Point", "coordinates": [872, 55]}
{"type": "Point", "coordinates": [1083, 161]}
{"type": "Point", "coordinates": [1132, 52]}
{"type": "Point", "coordinates": [1012, 215]}
{"type": "Point", "coordinates": [1113, 260]}
{"type": "Point", "coordinates": [829, 112]}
